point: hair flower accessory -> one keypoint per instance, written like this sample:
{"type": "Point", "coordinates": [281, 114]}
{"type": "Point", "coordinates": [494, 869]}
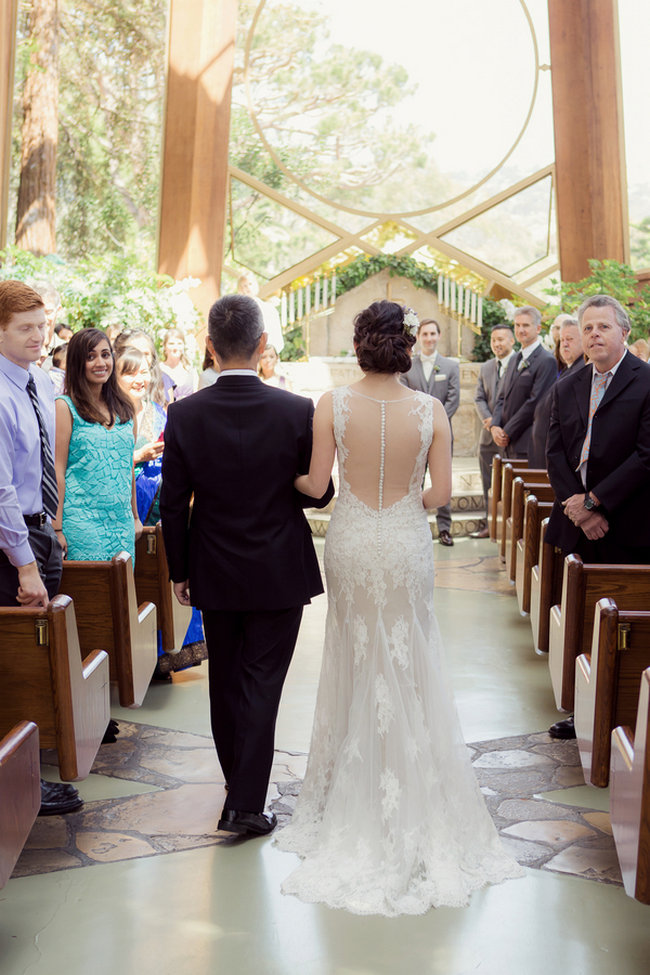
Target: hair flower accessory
{"type": "Point", "coordinates": [411, 321]}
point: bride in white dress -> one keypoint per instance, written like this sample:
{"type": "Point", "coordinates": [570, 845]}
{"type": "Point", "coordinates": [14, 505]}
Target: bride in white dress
{"type": "Point", "coordinates": [390, 819]}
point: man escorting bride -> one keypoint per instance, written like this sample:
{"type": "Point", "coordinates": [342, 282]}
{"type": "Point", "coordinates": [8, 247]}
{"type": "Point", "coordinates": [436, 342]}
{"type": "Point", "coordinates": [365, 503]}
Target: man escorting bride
{"type": "Point", "coordinates": [390, 819]}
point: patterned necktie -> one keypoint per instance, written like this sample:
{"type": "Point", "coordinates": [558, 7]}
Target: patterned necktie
{"type": "Point", "coordinates": [598, 388]}
{"type": "Point", "coordinates": [48, 484]}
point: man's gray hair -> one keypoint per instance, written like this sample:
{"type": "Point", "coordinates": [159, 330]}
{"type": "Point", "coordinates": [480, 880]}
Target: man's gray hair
{"type": "Point", "coordinates": [235, 326]}
{"type": "Point", "coordinates": [534, 313]}
{"type": "Point", "coordinates": [606, 301]}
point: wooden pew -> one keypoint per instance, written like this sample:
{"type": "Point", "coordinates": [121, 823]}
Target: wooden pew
{"type": "Point", "coordinates": [545, 589]}
{"type": "Point", "coordinates": [43, 677]}
{"type": "Point", "coordinates": [495, 496]}
{"type": "Point", "coordinates": [152, 584]}
{"type": "Point", "coordinates": [607, 684]}
{"type": "Point", "coordinates": [528, 548]}
{"type": "Point", "coordinates": [630, 798]}
{"type": "Point", "coordinates": [571, 623]}
{"type": "Point", "coordinates": [511, 471]}
{"type": "Point", "coordinates": [521, 487]}
{"type": "Point", "coordinates": [108, 616]}
{"type": "Point", "coordinates": [20, 792]}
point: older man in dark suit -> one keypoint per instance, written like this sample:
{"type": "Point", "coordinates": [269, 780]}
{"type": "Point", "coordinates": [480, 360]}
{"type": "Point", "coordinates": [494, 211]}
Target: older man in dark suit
{"type": "Point", "coordinates": [530, 373]}
{"type": "Point", "coordinates": [598, 450]}
{"type": "Point", "coordinates": [492, 373]}
{"type": "Point", "coordinates": [239, 547]}
{"type": "Point", "coordinates": [438, 376]}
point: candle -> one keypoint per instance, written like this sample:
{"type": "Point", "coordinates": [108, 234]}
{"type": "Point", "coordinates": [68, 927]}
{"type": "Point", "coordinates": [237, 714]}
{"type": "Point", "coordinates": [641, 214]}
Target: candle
{"type": "Point", "coordinates": [468, 295]}
{"type": "Point", "coordinates": [316, 294]}
{"type": "Point", "coordinates": [334, 287]}
{"type": "Point", "coordinates": [473, 310]}
{"type": "Point", "coordinates": [480, 314]}
{"type": "Point", "coordinates": [292, 307]}
{"type": "Point", "coordinates": [283, 309]}
{"type": "Point", "coordinates": [325, 292]}
{"type": "Point", "coordinates": [299, 304]}
{"type": "Point", "coordinates": [453, 296]}
{"type": "Point", "coordinates": [307, 298]}
{"type": "Point", "coordinates": [446, 291]}
{"type": "Point", "coordinates": [440, 290]}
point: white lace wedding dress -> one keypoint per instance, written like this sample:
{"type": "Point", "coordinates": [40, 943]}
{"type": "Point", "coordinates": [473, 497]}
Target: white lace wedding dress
{"type": "Point", "coordinates": [390, 819]}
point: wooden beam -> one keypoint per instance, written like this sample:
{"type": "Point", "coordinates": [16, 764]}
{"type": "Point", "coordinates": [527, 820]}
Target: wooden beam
{"type": "Point", "coordinates": [195, 147]}
{"type": "Point", "coordinates": [591, 181]}
{"type": "Point", "coordinates": [8, 14]}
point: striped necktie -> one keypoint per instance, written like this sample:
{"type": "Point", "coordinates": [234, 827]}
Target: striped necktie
{"type": "Point", "coordinates": [48, 483]}
{"type": "Point", "coordinates": [598, 388]}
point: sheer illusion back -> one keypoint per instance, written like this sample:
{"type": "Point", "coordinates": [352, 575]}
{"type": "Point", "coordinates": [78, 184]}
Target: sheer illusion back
{"type": "Point", "coordinates": [382, 445]}
{"type": "Point", "coordinates": [389, 819]}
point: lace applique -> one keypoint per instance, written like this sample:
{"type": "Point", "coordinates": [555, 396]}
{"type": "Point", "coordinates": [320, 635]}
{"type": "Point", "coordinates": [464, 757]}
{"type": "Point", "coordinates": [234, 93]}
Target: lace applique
{"type": "Point", "coordinates": [398, 643]}
{"type": "Point", "coordinates": [389, 785]}
{"type": "Point", "coordinates": [384, 704]}
{"type": "Point", "coordinates": [360, 640]}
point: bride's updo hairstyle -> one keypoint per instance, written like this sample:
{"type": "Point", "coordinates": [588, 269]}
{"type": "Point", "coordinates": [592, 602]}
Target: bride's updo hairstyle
{"type": "Point", "coordinates": [382, 340]}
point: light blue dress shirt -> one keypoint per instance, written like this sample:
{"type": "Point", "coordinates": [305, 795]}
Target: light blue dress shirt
{"type": "Point", "coordinates": [20, 455]}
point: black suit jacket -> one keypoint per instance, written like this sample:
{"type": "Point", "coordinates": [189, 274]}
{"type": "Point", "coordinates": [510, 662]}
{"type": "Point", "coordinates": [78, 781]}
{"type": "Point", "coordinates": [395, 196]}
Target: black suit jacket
{"type": "Point", "coordinates": [519, 394]}
{"type": "Point", "coordinates": [244, 543]}
{"type": "Point", "coordinates": [542, 419]}
{"type": "Point", "coordinates": [618, 468]}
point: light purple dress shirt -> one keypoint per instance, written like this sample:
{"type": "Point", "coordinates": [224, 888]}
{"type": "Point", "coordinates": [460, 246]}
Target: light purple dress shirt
{"type": "Point", "coordinates": [21, 469]}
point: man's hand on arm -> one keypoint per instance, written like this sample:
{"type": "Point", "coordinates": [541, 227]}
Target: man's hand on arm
{"type": "Point", "coordinates": [596, 526]}
{"type": "Point", "coordinates": [499, 436]}
{"type": "Point", "coordinates": [31, 589]}
{"type": "Point", "coordinates": [182, 592]}
{"type": "Point", "coordinates": [574, 509]}
{"type": "Point", "coordinates": [487, 422]}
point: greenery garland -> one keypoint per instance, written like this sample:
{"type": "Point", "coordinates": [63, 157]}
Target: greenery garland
{"type": "Point", "coordinates": [362, 268]}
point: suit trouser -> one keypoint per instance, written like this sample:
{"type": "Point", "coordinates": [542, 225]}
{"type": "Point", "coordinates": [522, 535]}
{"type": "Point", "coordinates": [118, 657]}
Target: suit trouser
{"type": "Point", "coordinates": [47, 555]}
{"type": "Point", "coordinates": [249, 653]}
{"type": "Point", "coordinates": [486, 453]}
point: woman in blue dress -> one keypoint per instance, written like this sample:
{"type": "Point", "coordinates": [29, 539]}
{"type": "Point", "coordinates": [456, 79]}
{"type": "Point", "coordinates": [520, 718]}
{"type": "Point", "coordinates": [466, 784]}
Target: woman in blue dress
{"type": "Point", "coordinates": [97, 514]}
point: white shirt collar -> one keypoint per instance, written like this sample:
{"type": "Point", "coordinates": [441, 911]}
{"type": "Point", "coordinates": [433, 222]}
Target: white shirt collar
{"type": "Point", "coordinates": [528, 351]}
{"type": "Point", "coordinates": [594, 371]}
{"type": "Point", "coordinates": [237, 372]}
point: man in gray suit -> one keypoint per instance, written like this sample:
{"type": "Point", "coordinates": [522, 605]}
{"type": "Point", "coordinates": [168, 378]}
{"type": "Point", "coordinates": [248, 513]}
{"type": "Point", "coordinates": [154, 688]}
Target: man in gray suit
{"type": "Point", "coordinates": [440, 377]}
{"type": "Point", "coordinates": [502, 340]}
{"type": "Point", "coordinates": [529, 374]}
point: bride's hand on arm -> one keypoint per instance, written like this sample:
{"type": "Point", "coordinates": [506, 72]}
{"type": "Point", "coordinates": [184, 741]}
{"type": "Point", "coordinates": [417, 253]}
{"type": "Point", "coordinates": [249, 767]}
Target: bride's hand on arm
{"type": "Point", "coordinates": [63, 428]}
{"type": "Point", "coordinates": [315, 483]}
{"type": "Point", "coordinates": [439, 460]}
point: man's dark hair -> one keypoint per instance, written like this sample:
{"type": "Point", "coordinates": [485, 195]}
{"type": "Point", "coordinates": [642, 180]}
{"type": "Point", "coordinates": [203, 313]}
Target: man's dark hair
{"type": "Point", "coordinates": [235, 325]}
{"type": "Point", "coordinates": [502, 325]}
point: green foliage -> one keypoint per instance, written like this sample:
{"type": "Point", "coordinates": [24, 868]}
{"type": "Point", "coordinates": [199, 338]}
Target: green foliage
{"type": "Point", "coordinates": [293, 349]}
{"type": "Point", "coordinates": [363, 268]}
{"type": "Point", "coordinates": [111, 94]}
{"type": "Point", "coordinates": [608, 278]}
{"type": "Point", "coordinates": [108, 290]}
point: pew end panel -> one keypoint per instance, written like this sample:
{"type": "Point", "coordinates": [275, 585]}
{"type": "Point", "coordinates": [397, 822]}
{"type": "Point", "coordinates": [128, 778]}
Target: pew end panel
{"type": "Point", "coordinates": [528, 549]}
{"type": "Point", "coordinates": [20, 792]}
{"type": "Point", "coordinates": [630, 797]}
{"type": "Point", "coordinates": [571, 624]}
{"type": "Point", "coordinates": [152, 584]}
{"type": "Point", "coordinates": [495, 496]}
{"type": "Point", "coordinates": [108, 616]}
{"type": "Point", "coordinates": [43, 676]}
{"type": "Point", "coordinates": [607, 684]}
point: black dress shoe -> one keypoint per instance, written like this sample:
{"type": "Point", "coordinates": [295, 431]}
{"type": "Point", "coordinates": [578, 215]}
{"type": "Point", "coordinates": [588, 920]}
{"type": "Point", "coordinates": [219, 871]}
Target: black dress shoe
{"type": "Point", "coordinates": [563, 729]}
{"type": "Point", "coordinates": [58, 798]}
{"type": "Point", "coordinates": [258, 824]}
{"type": "Point", "coordinates": [445, 538]}
{"type": "Point", "coordinates": [111, 733]}
{"type": "Point", "coordinates": [481, 533]}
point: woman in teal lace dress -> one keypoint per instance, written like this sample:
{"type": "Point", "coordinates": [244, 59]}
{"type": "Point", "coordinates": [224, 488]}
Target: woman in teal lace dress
{"type": "Point", "coordinates": [97, 515]}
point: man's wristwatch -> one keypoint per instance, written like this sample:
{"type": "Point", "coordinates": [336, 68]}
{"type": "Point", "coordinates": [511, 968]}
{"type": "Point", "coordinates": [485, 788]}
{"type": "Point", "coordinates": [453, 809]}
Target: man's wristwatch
{"type": "Point", "coordinates": [589, 502]}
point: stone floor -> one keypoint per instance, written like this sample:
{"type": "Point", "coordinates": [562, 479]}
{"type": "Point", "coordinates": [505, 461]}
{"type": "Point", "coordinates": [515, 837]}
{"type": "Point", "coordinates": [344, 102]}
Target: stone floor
{"type": "Point", "coordinates": [183, 786]}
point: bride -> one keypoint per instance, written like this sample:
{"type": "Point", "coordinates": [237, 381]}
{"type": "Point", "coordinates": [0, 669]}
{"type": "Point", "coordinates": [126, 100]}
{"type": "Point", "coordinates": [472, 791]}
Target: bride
{"type": "Point", "coordinates": [390, 819]}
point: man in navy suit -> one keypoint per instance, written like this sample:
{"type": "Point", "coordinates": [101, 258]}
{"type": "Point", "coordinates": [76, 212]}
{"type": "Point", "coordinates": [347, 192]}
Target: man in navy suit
{"type": "Point", "coordinates": [530, 373]}
{"type": "Point", "coordinates": [438, 376]}
{"type": "Point", "coordinates": [491, 376]}
{"type": "Point", "coordinates": [239, 547]}
{"type": "Point", "coordinates": [598, 450]}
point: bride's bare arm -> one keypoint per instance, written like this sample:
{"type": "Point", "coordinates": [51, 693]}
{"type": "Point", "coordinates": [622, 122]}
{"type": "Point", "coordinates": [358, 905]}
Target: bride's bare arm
{"type": "Point", "coordinates": [439, 460]}
{"type": "Point", "coordinates": [315, 483]}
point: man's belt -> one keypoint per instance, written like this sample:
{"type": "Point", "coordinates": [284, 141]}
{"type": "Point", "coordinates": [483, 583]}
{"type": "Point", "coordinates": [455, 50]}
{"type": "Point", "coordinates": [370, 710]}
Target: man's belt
{"type": "Point", "coordinates": [36, 521]}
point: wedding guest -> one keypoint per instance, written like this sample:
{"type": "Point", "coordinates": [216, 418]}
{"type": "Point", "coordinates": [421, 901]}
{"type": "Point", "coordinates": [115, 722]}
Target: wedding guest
{"type": "Point", "coordinates": [177, 366]}
{"type": "Point", "coordinates": [161, 387]}
{"type": "Point", "coordinates": [247, 285]}
{"type": "Point", "coordinates": [266, 369]}
{"type": "Point", "coordinates": [96, 515]}
{"type": "Point", "coordinates": [640, 349]}
{"type": "Point", "coordinates": [210, 372]}
{"type": "Point", "coordinates": [57, 369]}
{"type": "Point", "coordinates": [30, 556]}
{"type": "Point", "coordinates": [134, 378]}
